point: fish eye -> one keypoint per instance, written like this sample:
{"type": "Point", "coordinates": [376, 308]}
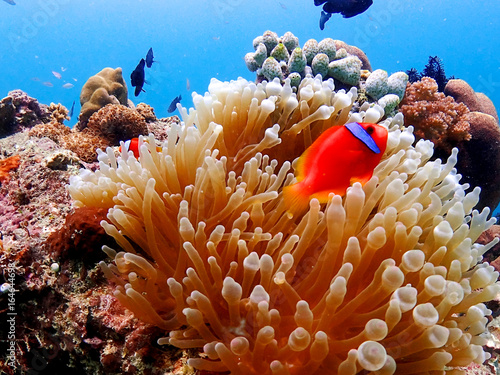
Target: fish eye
{"type": "Point", "coordinates": [370, 129]}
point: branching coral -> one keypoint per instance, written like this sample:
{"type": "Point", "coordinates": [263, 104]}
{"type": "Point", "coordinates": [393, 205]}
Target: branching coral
{"type": "Point", "coordinates": [55, 128]}
{"type": "Point", "coordinates": [436, 117]}
{"type": "Point", "coordinates": [385, 279]}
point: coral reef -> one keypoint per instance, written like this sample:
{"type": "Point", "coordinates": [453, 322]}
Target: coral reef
{"type": "Point", "coordinates": [329, 58]}
{"type": "Point", "coordinates": [280, 57]}
{"type": "Point", "coordinates": [67, 319]}
{"type": "Point", "coordinates": [434, 115]}
{"type": "Point", "coordinates": [106, 127]}
{"type": "Point", "coordinates": [217, 188]}
{"type": "Point", "coordinates": [386, 279]}
{"type": "Point", "coordinates": [459, 123]}
{"type": "Point", "coordinates": [54, 129]}
{"type": "Point", "coordinates": [19, 111]}
{"type": "Point", "coordinates": [106, 87]}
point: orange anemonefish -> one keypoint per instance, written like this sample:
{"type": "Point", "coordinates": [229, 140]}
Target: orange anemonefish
{"type": "Point", "coordinates": [339, 157]}
{"type": "Point", "coordinates": [133, 145]}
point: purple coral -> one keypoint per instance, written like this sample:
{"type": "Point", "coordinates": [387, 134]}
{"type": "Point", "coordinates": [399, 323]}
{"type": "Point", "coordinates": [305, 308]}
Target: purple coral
{"type": "Point", "coordinates": [20, 111]}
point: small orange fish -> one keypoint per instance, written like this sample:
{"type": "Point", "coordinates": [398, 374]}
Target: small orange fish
{"type": "Point", "coordinates": [339, 157]}
{"type": "Point", "coordinates": [133, 145]}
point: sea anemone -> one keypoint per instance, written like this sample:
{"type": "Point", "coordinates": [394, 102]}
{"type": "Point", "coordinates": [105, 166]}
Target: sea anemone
{"type": "Point", "coordinates": [385, 279]}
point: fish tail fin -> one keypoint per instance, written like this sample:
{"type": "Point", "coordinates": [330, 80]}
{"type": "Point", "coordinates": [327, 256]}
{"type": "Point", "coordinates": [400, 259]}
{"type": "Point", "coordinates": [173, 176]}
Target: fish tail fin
{"type": "Point", "coordinates": [295, 199]}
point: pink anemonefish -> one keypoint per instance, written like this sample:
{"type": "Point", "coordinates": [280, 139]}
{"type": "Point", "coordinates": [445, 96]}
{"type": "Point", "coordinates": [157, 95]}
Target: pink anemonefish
{"type": "Point", "coordinates": [339, 157]}
{"type": "Point", "coordinates": [133, 145]}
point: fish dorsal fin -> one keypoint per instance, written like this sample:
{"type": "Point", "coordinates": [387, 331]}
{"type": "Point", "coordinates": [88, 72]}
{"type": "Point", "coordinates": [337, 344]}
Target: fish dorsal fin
{"type": "Point", "coordinates": [306, 160]}
{"type": "Point", "coordinates": [360, 133]}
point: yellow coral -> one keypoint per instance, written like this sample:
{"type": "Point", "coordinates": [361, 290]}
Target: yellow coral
{"type": "Point", "coordinates": [385, 279]}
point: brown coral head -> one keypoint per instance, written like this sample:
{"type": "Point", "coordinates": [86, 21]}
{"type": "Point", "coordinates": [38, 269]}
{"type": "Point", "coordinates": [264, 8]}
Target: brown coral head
{"type": "Point", "coordinates": [107, 86]}
{"type": "Point", "coordinates": [118, 123]}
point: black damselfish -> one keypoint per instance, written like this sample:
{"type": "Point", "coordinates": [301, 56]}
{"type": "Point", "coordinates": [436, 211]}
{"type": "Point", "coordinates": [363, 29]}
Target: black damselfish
{"type": "Point", "coordinates": [137, 77]}
{"type": "Point", "coordinates": [173, 106]}
{"type": "Point", "coordinates": [348, 8]}
{"type": "Point", "coordinates": [150, 58]}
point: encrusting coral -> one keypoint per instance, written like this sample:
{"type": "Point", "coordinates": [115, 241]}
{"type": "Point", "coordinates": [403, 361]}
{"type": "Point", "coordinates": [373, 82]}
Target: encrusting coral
{"type": "Point", "coordinates": [6, 165]}
{"type": "Point", "coordinates": [385, 279]}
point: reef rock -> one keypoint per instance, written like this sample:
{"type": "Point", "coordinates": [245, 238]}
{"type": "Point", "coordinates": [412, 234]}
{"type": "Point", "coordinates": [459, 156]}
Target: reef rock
{"type": "Point", "coordinates": [462, 92]}
{"type": "Point", "coordinates": [479, 158]}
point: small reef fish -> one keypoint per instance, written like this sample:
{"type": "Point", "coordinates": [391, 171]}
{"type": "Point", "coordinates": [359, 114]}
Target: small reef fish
{"type": "Point", "coordinates": [339, 157]}
{"type": "Point", "coordinates": [150, 58]}
{"type": "Point", "coordinates": [137, 77]}
{"type": "Point", "coordinates": [348, 8]}
{"type": "Point", "coordinates": [63, 69]}
{"type": "Point", "coordinates": [133, 145]}
{"type": "Point", "coordinates": [173, 106]}
{"type": "Point", "coordinates": [70, 114]}
{"type": "Point", "coordinates": [48, 84]}
{"type": "Point", "coordinates": [188, 85]}
{"type": "Point", "coordinates": [68, 85]}
{"type": "Point", "coordinates": [11, 2]}
{"type": "Point", "coordinates": [57, 74]}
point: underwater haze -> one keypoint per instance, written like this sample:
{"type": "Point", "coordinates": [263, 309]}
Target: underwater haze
{"type": "Point", "coordinates": [196, 40]}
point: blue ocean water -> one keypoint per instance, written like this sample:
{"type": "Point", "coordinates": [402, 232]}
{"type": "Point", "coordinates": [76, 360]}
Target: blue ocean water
{"type": "Point", "coordinates": [196, 40]}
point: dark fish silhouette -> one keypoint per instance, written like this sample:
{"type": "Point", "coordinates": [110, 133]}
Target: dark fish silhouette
{"type": "Point", "coordinates": [348, 8]}
{"type": "Point", "coordinates": [137, 77]}
{"type": "Point", "coordinates": [150, 58]}
{"type": "Point", "coordinates": [11, 2]}
{"type": "Point", "coordinates": [70, 114]}
{"type": "Point", "coordinates": [322, 20]}
{"type": "Point", "coordinates": [173, 106]}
